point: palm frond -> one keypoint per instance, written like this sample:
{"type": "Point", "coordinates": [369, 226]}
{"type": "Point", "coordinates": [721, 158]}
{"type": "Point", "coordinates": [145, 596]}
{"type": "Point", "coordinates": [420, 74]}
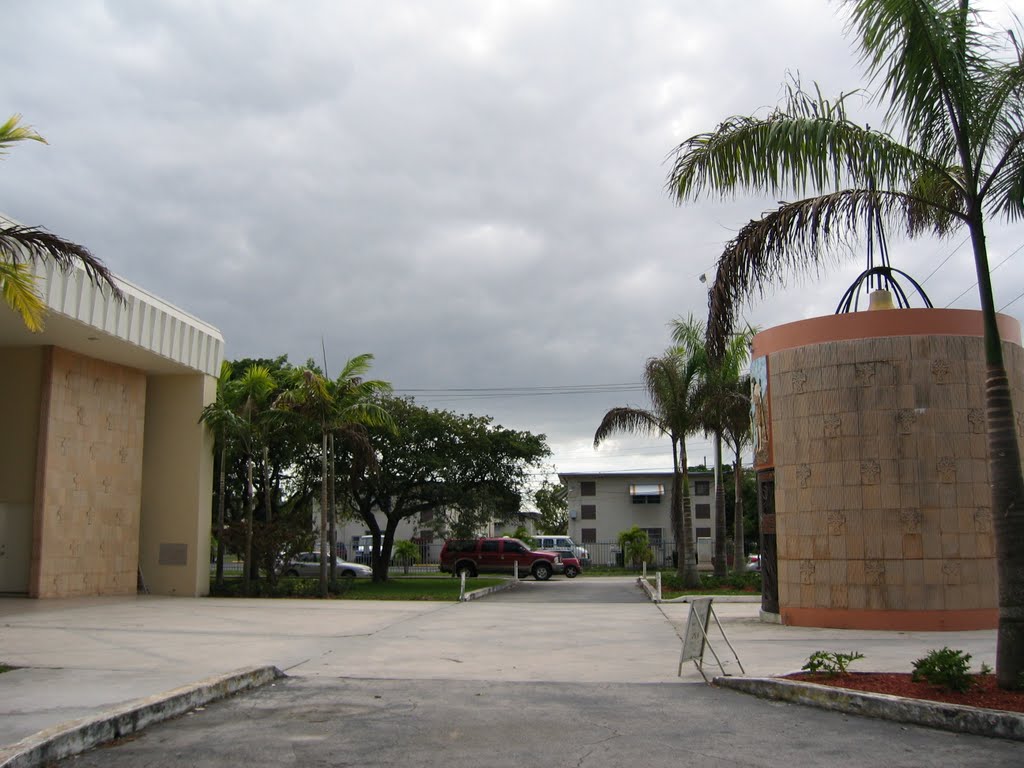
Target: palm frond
{"type": "Point", "coordinates": [630, 420]}
{"type": "Point", "coordinates": [13, 130]}
{"type": "Point", "coordinates": [20, 244]}
{"type": "Point", "coordinates": [797, 238]}
{"type": "Point", "coordinates": [808, 144]}
{"type": "Point", "coordinates": [18, 288]}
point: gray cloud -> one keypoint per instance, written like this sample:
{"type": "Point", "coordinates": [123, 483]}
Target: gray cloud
{"type": "Point", "coordinates": [472, 191]}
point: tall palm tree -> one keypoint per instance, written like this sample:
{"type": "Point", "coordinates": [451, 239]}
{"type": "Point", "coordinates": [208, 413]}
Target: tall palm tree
{"type": "Point", "coordinates": [328, 406]}
{"type": "Point", "coordinates": [21, 246]}
{"type": "Point", "coordinates": [253, 392]}
{"type": "Point", "coordinates": [951, 155]}
{"type": "Point", "coordinates": [716, 394]}
{"type": "Point", "coordinates": [221, 417]}
{"type": "Point", "coordinates": [738, 433]}
{"type": "Point", "coordinates": [671, 382]}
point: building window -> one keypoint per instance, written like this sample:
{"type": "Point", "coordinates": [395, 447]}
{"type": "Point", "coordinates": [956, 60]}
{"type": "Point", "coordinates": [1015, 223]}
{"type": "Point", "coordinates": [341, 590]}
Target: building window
{"type": "Point", "coordinates": [426, 516]}
{"type": "Point", "coordinates": [701, 487]}
{"type": "Point", "coordinates": [588, 511]}
{"type": "Point", "coordinates": [703, 533]}
{"type": "Point", "coordinates": [649, 493]}
{"type": "Point", "coordinates": [588, 488]}
{"type": "Point", "coordinates": [702, 511]}
{"type": "Point", "coordinates": [588, 535]}
{"type": "Point", "coordinates": [426, 537]}
{"type": "Point", "coordinates": [654, 536]}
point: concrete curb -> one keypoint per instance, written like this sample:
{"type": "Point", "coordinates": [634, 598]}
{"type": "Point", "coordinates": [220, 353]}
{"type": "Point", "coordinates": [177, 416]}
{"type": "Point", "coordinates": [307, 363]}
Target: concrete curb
{"type": "Point", "coordinates": [476, 594]}
{"type": "Point", "coordinates": [76, 736]}
{"type": "Point", "coordinates": [646, 586]}
{"type": "Point", "coordinates": [933, 714]}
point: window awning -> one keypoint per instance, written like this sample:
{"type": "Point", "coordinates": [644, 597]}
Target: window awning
{"type": "Point", "coordinates": [647, 489]}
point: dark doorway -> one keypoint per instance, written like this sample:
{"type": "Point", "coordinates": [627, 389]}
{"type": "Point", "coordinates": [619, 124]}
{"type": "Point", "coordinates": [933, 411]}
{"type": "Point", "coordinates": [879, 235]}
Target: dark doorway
{"type": "Point", "coordinates": [769, 550]}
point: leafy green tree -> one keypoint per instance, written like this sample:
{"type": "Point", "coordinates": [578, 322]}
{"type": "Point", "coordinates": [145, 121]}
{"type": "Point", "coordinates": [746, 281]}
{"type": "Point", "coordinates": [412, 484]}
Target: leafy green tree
{"type": "Point", "coordinates": [950, 154]}
{"type": "Point", "coordinates": [21, 246]}
{"type": "Point", "coordinates": [552, 503]}
{"type": "Point", "coordinates": [636, 546]}
{"type": "Point", "coordinates": [672, 382]}
{"type": "Point", "coordinates": [464, 469]}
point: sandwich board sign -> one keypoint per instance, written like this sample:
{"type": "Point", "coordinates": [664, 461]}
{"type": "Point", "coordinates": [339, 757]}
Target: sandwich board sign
{"type": "Point", "coordinates": [695, 639]}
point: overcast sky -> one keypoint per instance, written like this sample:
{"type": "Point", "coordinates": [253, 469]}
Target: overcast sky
{"type": "Point", "coordinates": [472, 191]}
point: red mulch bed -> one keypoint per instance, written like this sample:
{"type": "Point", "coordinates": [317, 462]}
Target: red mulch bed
{"type": "Point", "coordinates": [983, 693]}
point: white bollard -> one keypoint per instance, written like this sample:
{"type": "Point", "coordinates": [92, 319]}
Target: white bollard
{"type": "Point", "coordinates": [657, 580]}
{"type": "Point", "coordinates": [462, 587]}
{"type": "Point", "coordinates": [645, 570]}
{"type": "Point", "coordinates": [515, 570]}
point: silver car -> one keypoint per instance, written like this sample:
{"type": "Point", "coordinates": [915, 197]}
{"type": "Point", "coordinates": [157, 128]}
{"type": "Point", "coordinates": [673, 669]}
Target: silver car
{"type": "Point", "coordinates": [307, 565]}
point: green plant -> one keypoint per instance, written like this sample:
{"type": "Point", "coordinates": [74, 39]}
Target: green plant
{"type": "Point", "coordinates": [946, 667]}
{"type": "Point", "coordinates": [636, 546]}
{"type": "Point", "coordinates": [406, 552]}
{"type": "Point", "coordinates": [831, 662]}
{"type": "Point", "coordinates": [985, 669]}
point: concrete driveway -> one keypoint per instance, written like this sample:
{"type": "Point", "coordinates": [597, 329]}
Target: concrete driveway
{"type": "Point", "coordinates": [534, 654]}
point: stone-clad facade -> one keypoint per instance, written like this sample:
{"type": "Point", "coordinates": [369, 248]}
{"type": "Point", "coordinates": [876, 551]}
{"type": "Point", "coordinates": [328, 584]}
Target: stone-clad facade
{"type": "Point", "coordinates": [880, 458]}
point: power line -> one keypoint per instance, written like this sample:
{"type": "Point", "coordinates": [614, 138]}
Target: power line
{"type": "Point", "coordinates": [975, 285]}
{"type": "Point", "coordinates": [946, 259]}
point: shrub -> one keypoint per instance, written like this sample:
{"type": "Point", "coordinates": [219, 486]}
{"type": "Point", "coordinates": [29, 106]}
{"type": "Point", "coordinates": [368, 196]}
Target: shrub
{"type": "Point", "coordinates": [635, 546]}
{"type": "Point", "coordinates": [285, 587]}
{"type": "Point", "coordinates": [945, 667]}
{"type": "Point", "coordinates": [831, 662]}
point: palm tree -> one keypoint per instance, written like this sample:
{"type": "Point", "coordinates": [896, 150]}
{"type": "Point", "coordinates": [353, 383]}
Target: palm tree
{"type": "Point", "coordinates": [738, 432]}
{"type": "Point", "coordinates": [221, 417]}
{"type": "Point", "coordinates": [253, 392]}
{"type": "Point", "coordinates": [332, 407]}
{"type": "Point", "coordinates": [671, 382]}
{"type": "Point", "coordinates": [716, 393]}
{"type": "Point", "coordinates": [951, 155]}
{"type": "Point", "coordinates": [21, 246]}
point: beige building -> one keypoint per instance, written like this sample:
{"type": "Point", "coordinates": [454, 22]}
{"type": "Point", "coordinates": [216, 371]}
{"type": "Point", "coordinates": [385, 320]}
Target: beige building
{"type": "Point", "coordinates": [105, 472]}
{"type": "Point", "coordinates": [603, 504]}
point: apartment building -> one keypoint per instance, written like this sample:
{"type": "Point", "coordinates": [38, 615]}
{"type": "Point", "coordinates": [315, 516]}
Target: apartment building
{"type": "Point", "coordinates": [603, 504]}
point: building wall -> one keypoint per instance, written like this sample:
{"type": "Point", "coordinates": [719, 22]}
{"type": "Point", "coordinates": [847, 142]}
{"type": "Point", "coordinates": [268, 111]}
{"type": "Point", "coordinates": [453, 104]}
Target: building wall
{"type": "Point", "coordinates": [89, 477]}
{"type": "Point", "coordinates": [881, 477]}
{"type": "Point", "coordinates": [614, 511]}
{"type": "Point", "coordinates": [19, 414]}
{"type": "Point", "coordinates": [174, 548]}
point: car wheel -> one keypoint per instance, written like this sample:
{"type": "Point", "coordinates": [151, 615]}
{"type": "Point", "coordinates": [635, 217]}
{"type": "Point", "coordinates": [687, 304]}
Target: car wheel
{"type": "Point", "coordinates": [571, 571]}
{"type": "Point", "coordinates": [465, 568]}
{"type": "Point", "coordinates": [348, 574]}
{"type": "Point", "coordinates": [542, 571]}
{"type": "Point", "coordinates": [292, 573]}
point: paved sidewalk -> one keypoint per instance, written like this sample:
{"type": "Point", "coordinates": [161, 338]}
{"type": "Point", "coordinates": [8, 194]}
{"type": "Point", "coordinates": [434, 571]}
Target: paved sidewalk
{"type": "Point", "coordinates": [81, 657]}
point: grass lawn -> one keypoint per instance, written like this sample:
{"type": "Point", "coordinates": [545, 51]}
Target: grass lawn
{"type": "Point", "coordinates": [415, 588]}
{"type": "Point", "coordinates": [443, 588]}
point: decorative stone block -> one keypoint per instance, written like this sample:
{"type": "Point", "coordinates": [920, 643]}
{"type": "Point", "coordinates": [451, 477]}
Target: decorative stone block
{"type": "Point", "coordinates": [946, 467]}
{"type": "Point", "coordinates": [870, 472]}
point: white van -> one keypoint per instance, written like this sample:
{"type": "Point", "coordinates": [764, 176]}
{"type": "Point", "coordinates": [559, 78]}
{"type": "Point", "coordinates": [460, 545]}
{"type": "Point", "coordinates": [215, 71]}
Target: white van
{"type": "Point", "coordinates": [562, 544]}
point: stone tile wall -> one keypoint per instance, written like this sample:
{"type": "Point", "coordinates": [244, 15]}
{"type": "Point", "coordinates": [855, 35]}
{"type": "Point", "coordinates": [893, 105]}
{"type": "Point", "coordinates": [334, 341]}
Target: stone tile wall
{"type": "Point", "coordinates": [89, 478]}
{"type": "Point", "coordinates": [882, 488]}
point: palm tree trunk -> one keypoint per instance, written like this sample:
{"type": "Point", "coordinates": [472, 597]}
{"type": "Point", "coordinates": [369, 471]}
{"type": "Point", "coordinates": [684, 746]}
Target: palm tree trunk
{"type": "Point", "coordinates": [738, 555]}
{"type": "Point", "coordinates": [250, 509]}
{"type": "Point", "coordinates": [1005, 476]}
{"type": "Point", "coordinates": [323, 514]}
{"type": "Point", "coordinates": [221, 504]}
{"type": "Point", "coordinates": [332, 520]}
{"type": "Point", "coordinates": [687, 562]}
{"type": "Point", "coordinates": [720, 527]}
{"type": "Point", "coordinates": [677, 512]}
{"type": "Point", "coordinates": [268, 514]}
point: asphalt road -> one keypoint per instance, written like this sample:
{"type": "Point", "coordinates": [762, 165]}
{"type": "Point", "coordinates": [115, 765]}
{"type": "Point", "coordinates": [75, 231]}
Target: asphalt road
{"type": "Point", "coordinates": [421, 693]}
{"type": "Point", "coordinates": [465, 724]}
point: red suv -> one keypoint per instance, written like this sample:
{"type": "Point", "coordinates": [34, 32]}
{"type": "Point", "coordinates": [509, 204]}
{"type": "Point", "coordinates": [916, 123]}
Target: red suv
{"type": "Point", "coordinates": [474, 556]}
